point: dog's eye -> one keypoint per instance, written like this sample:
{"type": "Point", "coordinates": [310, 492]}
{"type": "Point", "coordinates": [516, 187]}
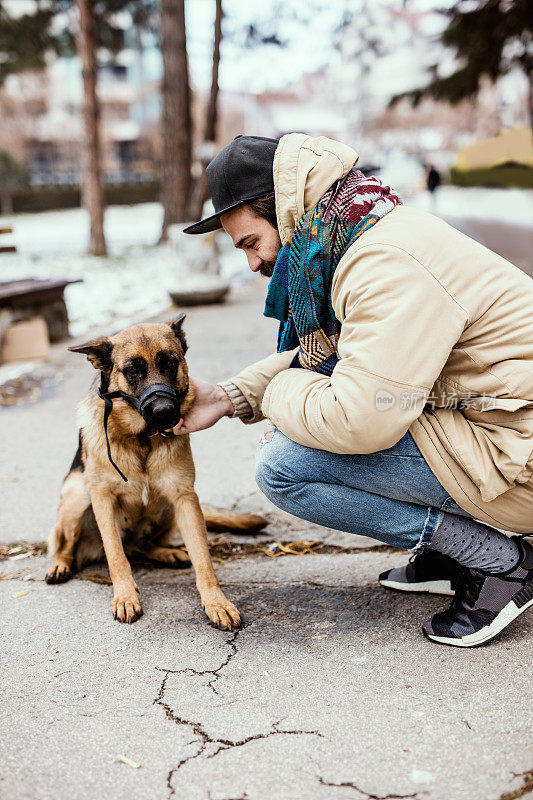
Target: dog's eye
{"type": "Point", "coordinates": [131, 372]}
{"type": "Point", "coordinates": [168, 364]}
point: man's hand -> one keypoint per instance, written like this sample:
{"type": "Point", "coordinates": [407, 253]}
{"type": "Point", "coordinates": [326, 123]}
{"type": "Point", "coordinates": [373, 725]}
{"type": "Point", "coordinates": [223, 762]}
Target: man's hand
{"type": "Point", "coordinates": [211, 404]}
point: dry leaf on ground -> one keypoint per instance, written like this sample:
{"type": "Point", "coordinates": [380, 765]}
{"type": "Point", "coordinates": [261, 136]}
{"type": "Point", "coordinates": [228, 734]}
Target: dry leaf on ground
{"type": "Point", "coordinates": [125, 760]}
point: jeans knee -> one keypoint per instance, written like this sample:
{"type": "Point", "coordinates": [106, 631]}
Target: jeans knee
{"type": "Point", "coordinates": [263, 476]}
{"type": "Point", "coordinates": [271, 473]}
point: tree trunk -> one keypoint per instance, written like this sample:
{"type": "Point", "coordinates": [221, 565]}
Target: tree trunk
{"type": "Point", "coordinates": [139, 47]}
{"type": "Point", "coordinates": [92, 189]}
{"type": "Point", "coordinates": [200, 191]}
{"type": "Point", "coordinates": [176, 116]}
{"type": "Point", "coordinates": [212, 107]}
{"type": "Point", "coordinates": [529, 77]}
{"type": "Point", "coordinates": [6, 203]}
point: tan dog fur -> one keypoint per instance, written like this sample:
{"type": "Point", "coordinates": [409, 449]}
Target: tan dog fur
{"type": "Point", "coordinates": [157, 508]}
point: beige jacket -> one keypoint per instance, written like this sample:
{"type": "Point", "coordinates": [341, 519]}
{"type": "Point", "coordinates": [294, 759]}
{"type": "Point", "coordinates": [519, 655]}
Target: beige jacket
{"type": "Point", "coordinates": [428, 317]}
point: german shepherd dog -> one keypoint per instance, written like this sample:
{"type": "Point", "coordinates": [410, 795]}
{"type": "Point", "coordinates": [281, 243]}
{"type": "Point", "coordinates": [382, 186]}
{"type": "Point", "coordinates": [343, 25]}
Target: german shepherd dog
{"type": "Point", "coordinates": [151, 512]}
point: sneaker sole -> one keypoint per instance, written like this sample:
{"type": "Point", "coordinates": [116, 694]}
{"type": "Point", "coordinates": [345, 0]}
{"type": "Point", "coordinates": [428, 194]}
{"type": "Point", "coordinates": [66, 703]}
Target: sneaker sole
{"type": "Point", "coordinates": [504, 618]}
{"type": "Point", "coordinates": [428, 587]}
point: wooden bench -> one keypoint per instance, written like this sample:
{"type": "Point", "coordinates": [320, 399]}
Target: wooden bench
{"type": "Point", "coordinates": [7, 248]}
{"type": "Point", "coordinates": [32, 297]}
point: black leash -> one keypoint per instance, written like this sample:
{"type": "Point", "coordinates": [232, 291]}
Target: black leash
{"type": "Point", "coordinates": [108, 398]}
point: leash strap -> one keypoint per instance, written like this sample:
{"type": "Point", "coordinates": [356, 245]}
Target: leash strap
{"type": "Point", "coordinates": [108, 397]}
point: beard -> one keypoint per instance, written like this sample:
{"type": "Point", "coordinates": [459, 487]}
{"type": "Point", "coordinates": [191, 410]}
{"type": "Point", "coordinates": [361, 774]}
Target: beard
{"type": "Point", "coordinates": [267, 268]}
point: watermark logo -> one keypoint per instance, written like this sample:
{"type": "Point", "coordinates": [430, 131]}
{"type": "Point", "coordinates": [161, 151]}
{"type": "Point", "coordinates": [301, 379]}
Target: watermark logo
{"type": "Point", "coordinates": [418, 400]}
{"type": "Point", "coordinates": [448, 399]}
{"type": "Point", "coordinates": [384, 400]}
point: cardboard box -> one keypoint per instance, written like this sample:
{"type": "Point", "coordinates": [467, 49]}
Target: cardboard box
{"type": "Point", "coordinates": [28, 339]}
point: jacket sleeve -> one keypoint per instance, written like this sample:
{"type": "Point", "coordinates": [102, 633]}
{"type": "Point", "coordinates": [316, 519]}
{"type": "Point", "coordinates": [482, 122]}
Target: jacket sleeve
{"type": "Point", "coordinates": [398, 326]}
{"type": "Point", "coordinates": [252, 381]}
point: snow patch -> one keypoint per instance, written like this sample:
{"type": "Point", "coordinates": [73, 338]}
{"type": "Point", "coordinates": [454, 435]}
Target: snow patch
{"type": "Point", "coordinates": [16, 369]}
{"type": "Point", "coordinates": [128, 286]}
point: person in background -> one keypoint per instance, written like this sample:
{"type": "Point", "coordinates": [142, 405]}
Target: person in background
{"type": "Point", "coordinates": [433, 182]}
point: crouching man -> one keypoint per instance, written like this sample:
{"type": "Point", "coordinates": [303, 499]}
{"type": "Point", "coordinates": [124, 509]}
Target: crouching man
{"type": "Point", "coordinates": [401, 394]}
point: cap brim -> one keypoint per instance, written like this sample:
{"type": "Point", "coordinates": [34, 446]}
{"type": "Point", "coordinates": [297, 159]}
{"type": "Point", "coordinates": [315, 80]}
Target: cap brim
{"type": "Point", "coordinates": [205, 225]}
{"type": "Point", "coordinates": [213, 222]}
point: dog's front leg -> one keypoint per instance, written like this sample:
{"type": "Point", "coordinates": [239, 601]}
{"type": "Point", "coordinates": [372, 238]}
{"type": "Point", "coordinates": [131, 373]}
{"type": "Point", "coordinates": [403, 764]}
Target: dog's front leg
{"type": "Point", "coordinates": [191, 522]}
{"type": "Point", "coordinates": [126, 604]}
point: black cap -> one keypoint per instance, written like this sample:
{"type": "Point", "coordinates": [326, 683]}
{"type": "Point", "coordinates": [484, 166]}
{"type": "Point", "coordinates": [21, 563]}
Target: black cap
{"type": "Point", "coordinates": [241, 172]}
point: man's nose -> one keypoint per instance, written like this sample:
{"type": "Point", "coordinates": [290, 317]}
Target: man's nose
{"type": "Point", "coordinates": [254, 262]}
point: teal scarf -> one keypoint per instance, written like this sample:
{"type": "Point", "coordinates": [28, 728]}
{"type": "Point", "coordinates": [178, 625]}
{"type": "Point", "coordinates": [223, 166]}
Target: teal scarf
{"type": "Point", "coordinates": [299, 292]}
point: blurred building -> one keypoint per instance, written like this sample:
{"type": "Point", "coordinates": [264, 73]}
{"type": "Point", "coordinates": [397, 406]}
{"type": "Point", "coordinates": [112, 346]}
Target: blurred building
{"type": "Point", "coordinates": [304, 107]}
{"type": "Point", "coordinates": [44, 110]}
{"type": "Point", "coordinates": [390, 50]}
{"type": "Point", "coordinates": [384, 51]}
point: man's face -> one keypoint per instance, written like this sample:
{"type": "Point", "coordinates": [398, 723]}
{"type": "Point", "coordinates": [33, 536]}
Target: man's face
{"type": "Point", "coordinates": [256, 236]}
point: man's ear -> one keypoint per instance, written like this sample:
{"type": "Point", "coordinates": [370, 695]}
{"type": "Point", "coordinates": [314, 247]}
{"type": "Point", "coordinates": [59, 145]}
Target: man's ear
{"type": "Point", "coordinates": [176, 326]}
{"type": "Point", "coordinates": [98, 352]}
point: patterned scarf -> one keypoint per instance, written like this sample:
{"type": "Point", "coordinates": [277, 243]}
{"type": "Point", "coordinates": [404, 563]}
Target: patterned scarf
{"type": "Point", "coordinates": [299, 292]}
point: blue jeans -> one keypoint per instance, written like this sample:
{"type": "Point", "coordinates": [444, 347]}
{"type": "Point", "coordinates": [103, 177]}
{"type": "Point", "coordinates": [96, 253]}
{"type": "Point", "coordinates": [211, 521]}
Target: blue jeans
{"type": "Point", "coordinates": [391, 495]}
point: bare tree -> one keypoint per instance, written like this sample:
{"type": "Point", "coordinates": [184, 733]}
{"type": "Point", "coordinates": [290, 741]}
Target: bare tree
{"type": "Point", "coordinates": [92, 189]}
{"type": "Point", "coordinates": [181, 196]}
{"type": "Point", "coordinates": [176, 116]}
{"type": "Point", "coordinates": [489, 39]}
{"type": "Point", "coordinates": [200, 190]}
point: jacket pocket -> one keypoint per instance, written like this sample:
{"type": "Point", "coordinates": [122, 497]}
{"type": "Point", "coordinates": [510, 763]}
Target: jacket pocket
{"type": "Point", "coordinates": [499, 452]}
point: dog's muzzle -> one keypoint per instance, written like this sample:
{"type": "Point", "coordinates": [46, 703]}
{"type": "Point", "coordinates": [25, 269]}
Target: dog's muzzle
{"type": "Point", "coordinates": [159, 405]}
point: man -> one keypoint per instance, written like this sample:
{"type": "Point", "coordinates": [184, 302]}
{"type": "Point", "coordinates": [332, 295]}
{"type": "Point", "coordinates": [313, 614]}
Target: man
{"type": "Point", "coordinates": [432, 183]}
{"type": "Point", "coordinates": [432, 179]}
{"type": "Point", "coordinates": [402, 391]}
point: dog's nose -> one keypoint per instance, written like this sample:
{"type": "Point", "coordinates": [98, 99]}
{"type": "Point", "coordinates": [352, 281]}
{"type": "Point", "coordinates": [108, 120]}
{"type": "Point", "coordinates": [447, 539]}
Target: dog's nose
{"type": "Point", "coordinates": [163, 412]}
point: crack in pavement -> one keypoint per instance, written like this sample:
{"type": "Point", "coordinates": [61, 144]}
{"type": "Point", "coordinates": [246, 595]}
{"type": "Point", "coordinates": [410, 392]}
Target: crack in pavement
{"type": "Point", "coordinates": [214, 672]}
{"type": "Point", "coordinates": [368, 795]}
{"type": "Point", "coordinates": [203, 739]}
{"type": "Point", "coordinates": [526, 787]}
{"type": "Point", "coordinates": [225, 744]}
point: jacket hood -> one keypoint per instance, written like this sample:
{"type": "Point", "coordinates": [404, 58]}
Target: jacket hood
{"type": "Point", "coordinates": [304, 169]}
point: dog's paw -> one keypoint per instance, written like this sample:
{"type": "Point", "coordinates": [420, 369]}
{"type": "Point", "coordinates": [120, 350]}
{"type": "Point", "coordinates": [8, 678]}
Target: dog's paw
{"type": "Point", "coordinates": [127, 606]}
{"type": "Point", "coordinates": [171, 556]}
{"type": "Point", "coordinates": [58, 573]}
{"type": "Point", "coordinates": [179, 557]}
{"type": "Point", "coordinates": [223, 614]}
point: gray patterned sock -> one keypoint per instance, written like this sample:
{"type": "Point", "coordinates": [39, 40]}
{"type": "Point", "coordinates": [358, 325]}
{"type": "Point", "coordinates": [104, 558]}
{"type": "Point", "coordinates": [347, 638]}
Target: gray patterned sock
{"type": "Point", "coordinates": [475, 545]}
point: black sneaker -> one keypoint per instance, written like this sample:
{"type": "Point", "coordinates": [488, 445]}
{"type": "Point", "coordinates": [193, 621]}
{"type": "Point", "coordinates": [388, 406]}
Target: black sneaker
{"type": "Point", "coordinates": [429, 572]}
{"type": "Point", "coordinates": [485, 604]}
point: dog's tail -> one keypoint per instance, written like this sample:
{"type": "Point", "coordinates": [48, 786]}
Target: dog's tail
{"type": "Point", "coordinates": [218, 519]}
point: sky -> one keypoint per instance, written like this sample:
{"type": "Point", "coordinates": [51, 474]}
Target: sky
{"type": "Point", "coordinates": [309, 39]}
{"type": "Point", "coordinates": [266, 67]}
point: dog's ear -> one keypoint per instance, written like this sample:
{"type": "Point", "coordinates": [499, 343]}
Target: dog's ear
{"type": "Point", "coordinates": [176, 326]}
{"type": "Point", "coordinates": [98, 352]}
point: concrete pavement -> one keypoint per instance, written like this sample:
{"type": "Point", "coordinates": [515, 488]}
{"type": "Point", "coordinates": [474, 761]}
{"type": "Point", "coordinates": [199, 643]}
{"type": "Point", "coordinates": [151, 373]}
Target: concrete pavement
{"type": "Point", "coordinates": [513, 242]}
{"type": "Point", "coordinates": [330, 690]}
